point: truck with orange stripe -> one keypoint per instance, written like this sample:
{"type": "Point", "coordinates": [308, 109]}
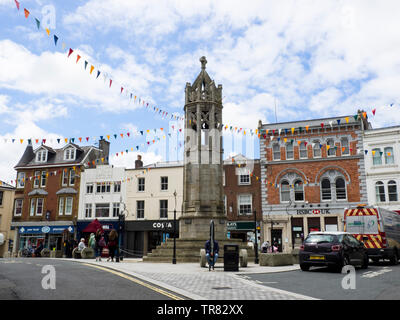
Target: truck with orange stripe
{"type": "Point", "coordinates": [378, 228]}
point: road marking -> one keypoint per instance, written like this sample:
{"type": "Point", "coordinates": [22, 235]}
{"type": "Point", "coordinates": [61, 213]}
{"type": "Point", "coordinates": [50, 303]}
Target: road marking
{"type": "Point", "coordinates": [166, 293]}
{"type": "Point", "coordinates": [372, 274]}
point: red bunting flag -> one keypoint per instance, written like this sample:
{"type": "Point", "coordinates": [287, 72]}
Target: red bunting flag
{"type": "Point", "coordinates": [110, 83]}
{"type": "Point", "coordinates": [122, 89]}
{"type": "Point", "coordinates": [322, 125]}
{"type": "Point", "coordinates": [44, 141]}
{"type": "Point", "coordinates": [70, 52]}
{"type": "Point", "coordinates": [128, 134]}
{"type": "Point", "coordinates": [373, 111]}
{"type": "Point", "coordinates": [26, 13]}
{"type": "Point", "coordinates": [87, 138]}
{"type": "Point", "coordinates": [17, 4]}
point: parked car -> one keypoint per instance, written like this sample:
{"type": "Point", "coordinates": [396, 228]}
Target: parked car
{"type": "Point", "coordinates": [332, 249]}
{"type": "Point", "coordinates": [378, 228]}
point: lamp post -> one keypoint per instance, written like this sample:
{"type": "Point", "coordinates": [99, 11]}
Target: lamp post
{"type": "Point", "coordinates": [121, 216]}
{"type": "Point", "coordinates": [255, 238]}
{"type": "Point", "coordinates": [174, 252]}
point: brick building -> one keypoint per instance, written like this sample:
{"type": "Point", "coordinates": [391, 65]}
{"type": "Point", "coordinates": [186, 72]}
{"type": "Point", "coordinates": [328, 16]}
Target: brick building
{"type": "Point", "coordinates": [242, 190]}
{"type": "Point", "coordinates": [47, 193]}
{"type": "Point", "coordinates": [311, 171]}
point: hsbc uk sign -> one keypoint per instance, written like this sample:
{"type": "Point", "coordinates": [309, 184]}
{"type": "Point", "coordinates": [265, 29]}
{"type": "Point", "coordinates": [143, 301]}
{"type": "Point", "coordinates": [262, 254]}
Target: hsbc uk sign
{"type": "Point", "coordinates": [313, 211]}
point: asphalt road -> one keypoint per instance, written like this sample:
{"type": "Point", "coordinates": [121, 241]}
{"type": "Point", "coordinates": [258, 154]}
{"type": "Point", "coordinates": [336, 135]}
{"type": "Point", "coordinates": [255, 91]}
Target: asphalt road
{"type": "Point", "coordinates": [380, 281]}
{"type": "Point", "coordinates": [22, 279]}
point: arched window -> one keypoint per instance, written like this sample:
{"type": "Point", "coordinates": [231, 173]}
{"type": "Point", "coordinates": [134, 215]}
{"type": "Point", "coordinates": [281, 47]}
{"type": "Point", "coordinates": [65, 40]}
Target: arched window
{"type": "Point", "coordinates": [326, 189]}
{"type": "Point", "coordinates": [303, 150]}
{"type": "Point", "coordinates": [376, 156]}
{"type": "Point", "coordinates": [331, 150]}
{"type": "Point", "coordinates": [285, 191]}
{"type": "Point", "coordinates": [380, 191]}
{"type": "Point", "coordinates": [345, 146]}
{"type": "Point", "coordinates": [289, 151]}
{"type": "Point", "coordinates": [389, 158]}
{"type": "Point", "coordinates": [340, 189]}
{"type": "Point", "coordinates": [392, 190]}
{"type": "Point", "coordinates": [316, 149]}
{"type": "Point", "coordinates": [298, 190]}
{"type": "Point", "coordinates": [276, 150]}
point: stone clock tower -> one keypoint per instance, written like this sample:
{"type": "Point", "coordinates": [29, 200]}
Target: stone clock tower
{"type": "Point", "coordinates": [203, 198]}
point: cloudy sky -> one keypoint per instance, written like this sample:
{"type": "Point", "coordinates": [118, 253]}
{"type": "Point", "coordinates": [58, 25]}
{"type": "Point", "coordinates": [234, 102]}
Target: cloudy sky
{"type": "Point", "coordinates": [310, 59]}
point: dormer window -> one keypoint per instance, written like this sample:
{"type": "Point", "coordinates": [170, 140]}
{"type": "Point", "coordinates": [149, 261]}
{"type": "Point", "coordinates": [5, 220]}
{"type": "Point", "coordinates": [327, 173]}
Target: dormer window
{"type": "Point", "coordinates": [41, 156]}
{"type": "Point", "coordinates": [69, 154]}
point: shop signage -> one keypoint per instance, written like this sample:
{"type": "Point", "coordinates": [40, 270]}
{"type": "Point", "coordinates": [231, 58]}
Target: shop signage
{"type": "Point", "coordinates": [313, 211]}
{"type": "Point", "coordinates": [162, 225]}
{"type": "Point", "coordinates": [152, 225]}
{"type": "Point", "coordinates": [45, 229]}
{"type": "Point", "coordinates": [240, 225]}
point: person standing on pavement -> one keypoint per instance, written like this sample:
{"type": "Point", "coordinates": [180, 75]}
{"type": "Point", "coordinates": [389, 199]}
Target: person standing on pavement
{"type": "Point", "coordinates": [112, 244]}
{"type": "Point", "coordinates": [92, 242]}
{"type": "Point", "coordinates": [100, 243]}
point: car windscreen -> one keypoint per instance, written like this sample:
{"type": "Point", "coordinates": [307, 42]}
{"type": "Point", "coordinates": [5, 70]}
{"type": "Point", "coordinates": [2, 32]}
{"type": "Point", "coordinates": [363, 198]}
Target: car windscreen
{"type": "Point", "coordinates": [362, 224]}
{"type": "Point", "coordinates": [321, 238]}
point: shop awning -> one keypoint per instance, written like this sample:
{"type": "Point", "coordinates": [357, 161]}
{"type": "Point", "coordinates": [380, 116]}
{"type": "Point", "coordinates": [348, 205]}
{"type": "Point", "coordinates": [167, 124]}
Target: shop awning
{"type": "Point", "coordinates": [93, 226]}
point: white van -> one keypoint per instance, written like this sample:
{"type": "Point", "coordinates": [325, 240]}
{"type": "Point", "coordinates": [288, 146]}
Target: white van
{"type": "Point", "coordinates": [378, 228]}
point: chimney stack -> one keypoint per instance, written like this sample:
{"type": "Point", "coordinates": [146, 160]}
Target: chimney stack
{"type": "Point", "coordinates": [139, 162]}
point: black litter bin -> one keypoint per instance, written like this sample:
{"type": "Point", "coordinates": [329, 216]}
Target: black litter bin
{"type": "Point", "coordinates": [231, 257]}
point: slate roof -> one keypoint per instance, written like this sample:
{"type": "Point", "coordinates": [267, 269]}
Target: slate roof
{"type": "Point", "coordinates": [54, 156]}
{"type": "Point", "coordinates": [5, 185]}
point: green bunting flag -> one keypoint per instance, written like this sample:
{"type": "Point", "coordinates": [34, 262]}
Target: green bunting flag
{"type": "Point", "coordinates": [37, 23]}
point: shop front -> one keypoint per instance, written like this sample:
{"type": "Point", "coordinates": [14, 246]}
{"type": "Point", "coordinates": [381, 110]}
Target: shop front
{"type": "Point", "coordinates": [145, 235]}
{"type": "Point", "coordinates": [289, 230]}
{"type": "Point", "coordinates": [52, 236]}
{"type": "Point", "coordinates": [242, 230]}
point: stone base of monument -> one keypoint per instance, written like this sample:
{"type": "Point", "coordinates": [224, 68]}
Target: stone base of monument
{"type": "Point", "coordinates": [188, 250]}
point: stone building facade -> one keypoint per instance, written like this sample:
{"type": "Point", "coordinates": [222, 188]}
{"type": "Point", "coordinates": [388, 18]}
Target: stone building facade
{"type": "Point", "coordinates": [6, 209]}
{"type": "Point", "coordinates": [311, 171]}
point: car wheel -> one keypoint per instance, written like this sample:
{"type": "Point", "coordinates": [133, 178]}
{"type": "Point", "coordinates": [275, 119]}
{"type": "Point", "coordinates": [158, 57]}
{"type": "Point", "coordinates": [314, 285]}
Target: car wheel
{"type": "Point", "coordinates": [365, 262]}
{"type": "Point", "coordinates": [304, 267]}
{"type": "Point", "coordinates": [395, 259]}
{"type": "Point", "coordinates": [345, 262]}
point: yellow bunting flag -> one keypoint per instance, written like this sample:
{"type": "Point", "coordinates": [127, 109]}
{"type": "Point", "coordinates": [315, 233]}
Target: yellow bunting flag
{"type": "Point", "coordinates": [66, 140]}
{"type": "Point", "coordinates": [48, 32]}
{"type": "Point", "coordinates": [299, 142]}
{"type": "Point", "coordinates": [22, 140]}
{"type": "Point", "coordinates": [91, 69]}
{"type": "Point", "coordinates": [373, 152]}
{"type": "Point", "coordinates": [347, 119]}
{"type": "Point", "coordinates": [108, 137]}
{"type": "Point", "coordinates": [307, 128]}
{"type": "Point", "coordinates": [285, 139]}
{"type": "Point", "coordinates": [327, 147]}
{"type": "Point", "coordinates": [292, 130]}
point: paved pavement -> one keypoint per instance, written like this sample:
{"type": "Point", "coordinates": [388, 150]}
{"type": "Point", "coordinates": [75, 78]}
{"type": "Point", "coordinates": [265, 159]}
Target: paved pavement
{"type": "Point", "coordinates": [194, 282]}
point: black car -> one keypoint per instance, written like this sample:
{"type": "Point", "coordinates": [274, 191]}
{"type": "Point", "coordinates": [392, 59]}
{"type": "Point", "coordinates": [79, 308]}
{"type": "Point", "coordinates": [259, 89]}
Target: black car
{"type": "Point", "coordinates": [332, 249]}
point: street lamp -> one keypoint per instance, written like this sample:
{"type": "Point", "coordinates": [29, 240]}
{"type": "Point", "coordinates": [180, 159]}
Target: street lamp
{"type": "Point", "coordinates": [255, 237]}
{"type": "Point", "coordinates": [174, 252]}
{"type": "Point", "coordinates": [121, 216]}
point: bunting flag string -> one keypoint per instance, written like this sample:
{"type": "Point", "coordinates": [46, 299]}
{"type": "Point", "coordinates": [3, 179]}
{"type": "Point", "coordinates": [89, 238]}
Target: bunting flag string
{"type": "Point", "coordinates": [127, 135]}
{"type": "Point", "coordinates": [164, 114]}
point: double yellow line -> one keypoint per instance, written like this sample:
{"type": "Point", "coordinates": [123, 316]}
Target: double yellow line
{"type": "Point", "coordinates": [122, 275]}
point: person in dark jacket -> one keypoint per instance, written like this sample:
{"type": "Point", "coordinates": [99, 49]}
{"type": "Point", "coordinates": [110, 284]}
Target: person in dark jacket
{"type": "Point", "coordinates": [211, 256]}
{"type": "Point", "coordinates": [100, 243]}
{"type": "Point", "coordinates": [112, 244]}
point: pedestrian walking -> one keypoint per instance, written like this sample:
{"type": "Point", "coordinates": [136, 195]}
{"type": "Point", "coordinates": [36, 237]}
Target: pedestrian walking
{"type": "Point", "coordinates": [100, 244]}
{"type": "Point", "coordinates": [112, 244]}
{"type": "Point", "coordinates": [92, 241]}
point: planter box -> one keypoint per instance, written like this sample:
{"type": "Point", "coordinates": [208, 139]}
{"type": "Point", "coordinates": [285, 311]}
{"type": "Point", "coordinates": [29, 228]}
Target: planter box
{"type": "Point", "coordinates": [276, 259]}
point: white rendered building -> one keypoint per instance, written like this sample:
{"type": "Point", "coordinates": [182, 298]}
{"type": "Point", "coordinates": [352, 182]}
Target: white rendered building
{"type": "Point", "coordinates": [382, 167]}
